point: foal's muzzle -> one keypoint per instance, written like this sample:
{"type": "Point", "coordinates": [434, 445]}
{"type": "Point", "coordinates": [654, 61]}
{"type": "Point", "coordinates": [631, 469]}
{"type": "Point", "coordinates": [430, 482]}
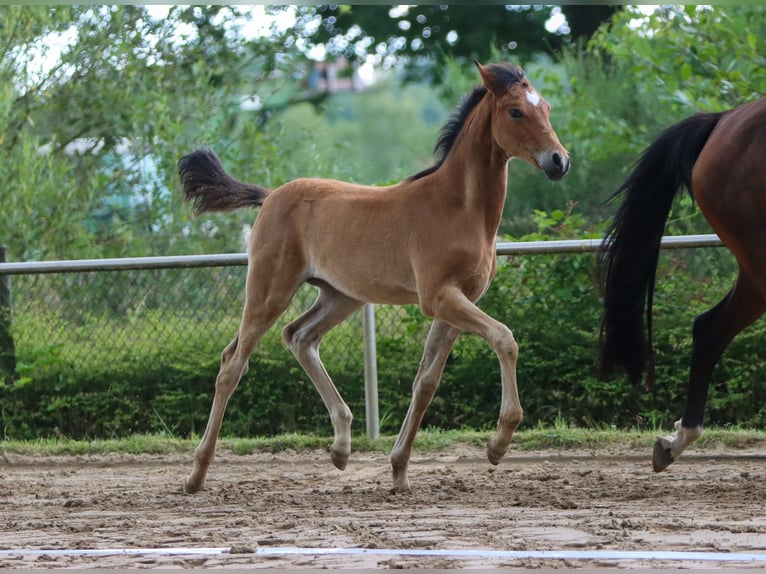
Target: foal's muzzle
{"type": "Point", "coordinates": [555, 165]}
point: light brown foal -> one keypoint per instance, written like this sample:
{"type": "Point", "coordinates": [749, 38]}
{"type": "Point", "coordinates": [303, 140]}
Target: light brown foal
{"type": "Point", "coordinates": [428, 240]}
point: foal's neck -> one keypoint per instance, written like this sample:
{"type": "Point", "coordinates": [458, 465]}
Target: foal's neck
{"type": "Point", "coordinates": [477, 168]}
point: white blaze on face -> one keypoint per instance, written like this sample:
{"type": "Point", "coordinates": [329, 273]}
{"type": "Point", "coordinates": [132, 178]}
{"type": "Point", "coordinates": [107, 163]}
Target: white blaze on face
{"type": "Point", "coordinates": [533, 97]}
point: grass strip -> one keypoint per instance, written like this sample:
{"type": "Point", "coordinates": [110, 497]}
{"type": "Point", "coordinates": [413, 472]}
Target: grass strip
{"type": "Point", "coordinates": [558, 437]}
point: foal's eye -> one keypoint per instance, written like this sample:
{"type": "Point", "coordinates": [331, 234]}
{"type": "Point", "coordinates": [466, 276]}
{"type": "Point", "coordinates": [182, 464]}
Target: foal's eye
{"type": "Point", "coordinates": [515, 113]}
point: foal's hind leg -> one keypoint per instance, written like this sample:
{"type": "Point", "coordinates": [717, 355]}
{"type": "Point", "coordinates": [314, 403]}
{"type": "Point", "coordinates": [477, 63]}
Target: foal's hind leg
{"type": "Point", "coordinates": [713, 331]}
{"type": "Point", "coordinates": [266, 300]}
{"type": "Point", "coordinates": [441, 338]}
{"type": "Point", "coordinates": [303, 337]}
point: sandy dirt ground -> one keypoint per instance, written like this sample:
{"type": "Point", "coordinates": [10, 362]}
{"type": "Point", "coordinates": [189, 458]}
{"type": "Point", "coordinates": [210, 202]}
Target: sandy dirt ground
{"type": "Point", "coordinates": [598, 500]}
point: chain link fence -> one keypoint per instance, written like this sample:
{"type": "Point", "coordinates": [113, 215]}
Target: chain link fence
{"type": "Point", "coordinates": [108, 316]}
{"type": "Point", "coordinates": [100, 316]}
{"type": "Point", "coordinates": [83, 336]}
{"type": "Point", "coordinates": [95, 353]}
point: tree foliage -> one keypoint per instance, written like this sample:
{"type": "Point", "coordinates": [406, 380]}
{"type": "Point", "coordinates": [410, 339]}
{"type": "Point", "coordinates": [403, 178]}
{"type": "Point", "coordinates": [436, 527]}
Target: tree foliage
{"type": "Point", "coordinates": [77, 133]}
{"type": "Point", "coordinates": [690, 57]}
{"type": "Point", "coordinates": [90, 141]}
{"type": "Point", "coordinates": [426, 35]}
{"type": "Point", "coordinates": [431, 32]}
{"type": "Point", "coordinates": [643, 73]}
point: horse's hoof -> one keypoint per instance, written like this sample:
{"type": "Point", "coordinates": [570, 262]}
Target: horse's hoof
{"type": "Point", "coordinates": [191, 486]}
{"type": "Point", "coordinates": [494, 455]}
{"type": "Point", "coordinates": [339, 460]}
{"type": "Point", "coordinates": [401, 484]}
{"type": "Point", "coordinates": [662, 456]}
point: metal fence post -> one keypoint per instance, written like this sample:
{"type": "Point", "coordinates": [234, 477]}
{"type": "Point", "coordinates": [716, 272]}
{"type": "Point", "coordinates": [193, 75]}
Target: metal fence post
{"type": "Point", "coordinates": [370, 372]}
{"type": "Point", "coordinates": [7, 347]}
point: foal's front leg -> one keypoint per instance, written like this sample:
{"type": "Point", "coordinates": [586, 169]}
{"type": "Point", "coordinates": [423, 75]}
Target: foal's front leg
{"type": "Point", "coordinates": [451, 305]}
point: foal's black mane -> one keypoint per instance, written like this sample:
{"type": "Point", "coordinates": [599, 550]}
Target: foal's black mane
{"type": "Point", "coordinates": [506, 74]}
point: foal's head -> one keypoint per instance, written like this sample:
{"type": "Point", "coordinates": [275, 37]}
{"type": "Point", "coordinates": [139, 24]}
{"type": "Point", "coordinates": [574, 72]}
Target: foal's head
{"type": "Point", "coordinates": [520, 122]}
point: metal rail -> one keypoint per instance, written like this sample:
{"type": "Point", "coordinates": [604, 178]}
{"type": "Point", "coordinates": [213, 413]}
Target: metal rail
{"type": "Point", "coordinates": [123, 263]}
{"type": "Point", "coordinates": [226, 259]}
{"type": "Point", "coordinates": [593, 245]}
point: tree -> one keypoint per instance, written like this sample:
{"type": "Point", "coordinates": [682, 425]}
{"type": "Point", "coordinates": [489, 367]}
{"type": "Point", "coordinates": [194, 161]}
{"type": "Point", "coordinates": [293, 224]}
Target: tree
{"type": "Point", "coordinates": [583, 20]}
{"type": "Point", "coordinates": [425, 35]}
{"type": "Point", "coordinates": [128, 94]}
{"type": "Point", "coordinates": [691, 57]}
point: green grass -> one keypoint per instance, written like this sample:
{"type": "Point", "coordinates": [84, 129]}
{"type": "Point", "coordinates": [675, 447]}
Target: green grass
{"type": "Point", "coordinates": [557, 437]}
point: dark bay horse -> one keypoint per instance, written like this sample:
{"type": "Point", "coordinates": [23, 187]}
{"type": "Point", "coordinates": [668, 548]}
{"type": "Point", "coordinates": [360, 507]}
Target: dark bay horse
{"type": "Point", "coordinates": [428, 240]}
{"type": "Point", "coordinates": [721, 159]}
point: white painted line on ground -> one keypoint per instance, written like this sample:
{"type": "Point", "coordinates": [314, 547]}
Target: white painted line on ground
{"type": "Point", "coordinates": [443, 553]}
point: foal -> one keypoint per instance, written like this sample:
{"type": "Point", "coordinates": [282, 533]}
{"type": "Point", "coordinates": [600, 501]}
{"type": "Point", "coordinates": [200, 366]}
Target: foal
{"type": "Point", "coordinates": [428, 240]}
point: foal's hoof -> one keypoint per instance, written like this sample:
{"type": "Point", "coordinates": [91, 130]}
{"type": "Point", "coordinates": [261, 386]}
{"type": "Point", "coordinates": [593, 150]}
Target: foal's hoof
{"type": "Point", "coordinates": [401, 485]}
{"type": "Point", "coordinates": [339, 460]}
{"type": "Point", "coordinates": [495, 455]}
{"type": "Point", "coordinates": [663, 455]}
{"type": "Point", "coordinates": [192, 486]}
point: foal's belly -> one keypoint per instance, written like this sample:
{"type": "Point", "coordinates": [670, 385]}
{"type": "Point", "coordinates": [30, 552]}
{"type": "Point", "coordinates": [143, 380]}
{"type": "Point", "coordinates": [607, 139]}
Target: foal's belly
{"type": "Point", "coordinates": [368, 284]}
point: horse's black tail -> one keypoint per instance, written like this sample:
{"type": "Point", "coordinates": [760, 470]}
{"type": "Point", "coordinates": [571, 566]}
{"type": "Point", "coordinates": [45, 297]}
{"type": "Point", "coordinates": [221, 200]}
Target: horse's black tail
{"type": "Point", "coordinates": [207, 185]}
{"type": "Point", "coordinates": [628, 260]}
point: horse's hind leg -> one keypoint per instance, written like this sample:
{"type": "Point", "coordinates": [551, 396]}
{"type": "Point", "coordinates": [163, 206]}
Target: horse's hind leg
{"type": "Point", "coordinates": [441, 338]}
{"type": "Point", "coordinates": [303, 337]}
{"type": "Point", "coordinates": [713, 331]}
{"type": "Point", "coordinates": [265, 301]}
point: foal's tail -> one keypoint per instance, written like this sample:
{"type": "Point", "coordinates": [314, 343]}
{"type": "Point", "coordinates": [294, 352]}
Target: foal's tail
{"type": "Point", "coordinates": [207, 185]}
{"type": "Point", "coordinates": [628, 260]}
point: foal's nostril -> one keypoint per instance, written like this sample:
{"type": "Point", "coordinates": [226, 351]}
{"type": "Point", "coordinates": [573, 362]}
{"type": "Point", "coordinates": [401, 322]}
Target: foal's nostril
{"type": "Point", "coordinates": [557, 160]}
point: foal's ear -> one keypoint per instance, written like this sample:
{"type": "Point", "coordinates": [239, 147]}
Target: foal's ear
{"type": "Point", "coordinates": [490, 79]}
